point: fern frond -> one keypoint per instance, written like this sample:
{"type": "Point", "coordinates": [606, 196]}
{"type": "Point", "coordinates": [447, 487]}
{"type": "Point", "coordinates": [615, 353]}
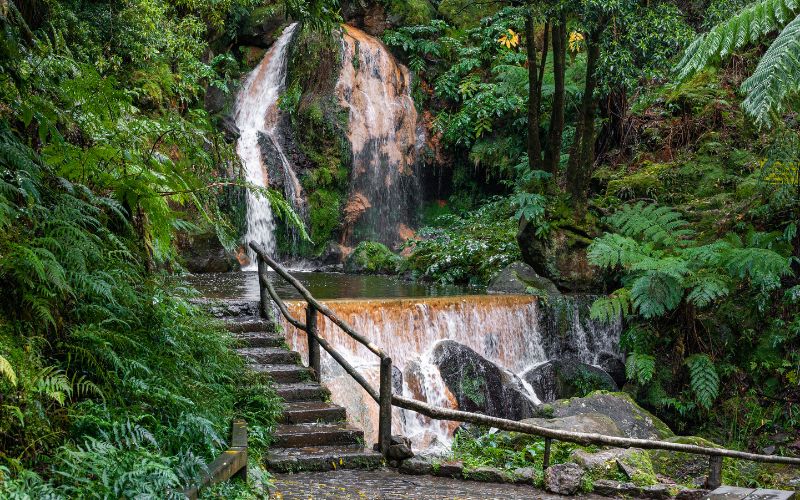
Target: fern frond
{"type": "Point", "coordinates": [660, 225]}
{"type": "Point", "coordinates": [640, 367]}
{"type": "Point", "coordinates": [775, 78]}
{"type": "Point", "coordinates": [703, 379]}
{"type": "Point", "coordinates": [8, 371]}
{"type": "Point", "coordinates": [748, 26]}
{"type": "Point", "coordinates": [654, 294]}
{"type": "Point", "coordinates": [706, 288]}
{"type": "Point", "coordinates": [612, 308]}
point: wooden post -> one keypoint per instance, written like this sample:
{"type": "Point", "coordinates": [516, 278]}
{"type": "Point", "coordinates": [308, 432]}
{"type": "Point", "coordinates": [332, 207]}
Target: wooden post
{"type": "Point", "coordinates": [546, 458]}
{"type": "Point", "coordinates": [264, 308]}
{"type": "Point", "coordinates": [313, 345]}
{"type": "Point", "coordinates": [385, 412]}
{"type": "Point", "coordinates": [714, 479]}
{"type": "Point", "coordinates": [239, 443]}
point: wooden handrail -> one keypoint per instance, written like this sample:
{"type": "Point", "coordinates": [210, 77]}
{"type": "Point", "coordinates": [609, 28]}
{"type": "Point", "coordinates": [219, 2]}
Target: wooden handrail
{"type": "Point", "coordinates": [386, 399]}
{"type": "Point", "coordinates": [230, 463]}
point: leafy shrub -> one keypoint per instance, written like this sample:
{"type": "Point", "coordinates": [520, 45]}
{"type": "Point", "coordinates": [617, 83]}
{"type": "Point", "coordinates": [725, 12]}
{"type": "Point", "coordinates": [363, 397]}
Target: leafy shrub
{"type": "Point", "coordinates": [467, 249]}
{"type": "Point", "coordinates": [372, 257]}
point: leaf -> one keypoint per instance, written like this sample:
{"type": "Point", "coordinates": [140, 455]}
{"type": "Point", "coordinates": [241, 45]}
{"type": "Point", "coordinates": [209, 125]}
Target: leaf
{"type": "Point", "coordinates": [703, 379]}
{"type": "Point", "coordinates": [640, 367]}
{"type": "Point", "coordinates": [8, 371]}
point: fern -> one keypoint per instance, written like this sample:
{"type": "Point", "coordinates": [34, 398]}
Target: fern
{"type": "Point", "coordinates": [703, 379]}
{"type": "Point", "coordinates": [613, 307]}
{"type": "Point", "coordinates": [655, 224]}
{"type": "Point", "coordinates": [8, 371]}
{"type": "Point", "coordinates": [640, 368]}
{"type": "Point", "coordinates": [654, 294]}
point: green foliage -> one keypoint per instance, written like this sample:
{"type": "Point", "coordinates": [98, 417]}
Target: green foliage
{"type": "Point", "coordinates": [372, 257]}
{"type": "Point", "coordinates": [775, 78]}
{"type": "Point", "coordinates": [703, 379]}
{"type": "Point", "coordinates": [640, 367]}
{"type": "Point", "coordinates": [467, 249]}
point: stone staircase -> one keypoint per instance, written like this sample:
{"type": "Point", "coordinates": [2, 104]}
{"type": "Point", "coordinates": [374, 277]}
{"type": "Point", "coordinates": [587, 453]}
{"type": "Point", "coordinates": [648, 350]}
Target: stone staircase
{"type": "Point", "coordinates": [313, 433]}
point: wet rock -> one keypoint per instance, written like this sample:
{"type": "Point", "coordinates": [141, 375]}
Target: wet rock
{"type": "Point", "coordinates": [560, 256]}
{"type": "Point", "coordinates": [334, 254]}
{"type": "Point", "coordinates": [230, 129]}
{"type": "Point", "coordinates": [631, 419]}
{"type": "Point", "coordinates": [519, 277]}
{"type": "Point", "coordinates": [685, 468]}
{"type": "Point", "coordinates": [692, 494]}
{"type": "Point", "coordinates": [454, 469]}
{"type": "Point", "coordinates": [611, 488]}
{"type": "Point", "coordinates": [487, 475]}
{"type": "Point", "coordinates": [589, 423]}
{"type": "Point", "coordinates": [479, 385]}
{"type": "Point", "coordinates": [262, 28]}
{"type": "Point", "coordinates": [563, 479]}
{"type": "Point", "coordinates": [613, 365]}
{"type": "Point", "coordinates": [559, 379]}
{"type": "Point", "coordinates": [568, 331]}
{"type": "Point", "coordinates": [204, 253]}
{"type": "Point", "coordinates": [400, 448]}
{"type": "Point", "coordinates": [416, 466]}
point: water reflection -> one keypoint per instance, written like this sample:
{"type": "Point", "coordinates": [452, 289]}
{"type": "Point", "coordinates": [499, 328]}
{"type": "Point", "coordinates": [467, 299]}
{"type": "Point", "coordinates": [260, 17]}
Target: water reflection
{"type": "Point", "coordinates": [244, 285]}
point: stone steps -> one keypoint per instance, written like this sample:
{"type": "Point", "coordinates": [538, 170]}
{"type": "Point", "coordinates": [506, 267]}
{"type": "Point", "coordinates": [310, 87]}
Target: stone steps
{"type": "Point", "coordinates": [313, 434]}
{"type": "Point", "coordinates": [312, 411]}
{"type": "Point", "coordinates": [323, 458]}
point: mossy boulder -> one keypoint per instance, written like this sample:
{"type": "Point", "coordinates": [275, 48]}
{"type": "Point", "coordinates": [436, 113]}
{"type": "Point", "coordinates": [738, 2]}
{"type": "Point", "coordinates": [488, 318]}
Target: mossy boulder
{"type": "Point", "coordinates": [520, 278]}
{"type": "Point", "coordinates": [616, 463]}
{"type": "Point", "coordinates": [371, 257]}
{"type": "Point", "coordinates": [683, 468]}
{"type": "Point", "coordinates": [632, 420]}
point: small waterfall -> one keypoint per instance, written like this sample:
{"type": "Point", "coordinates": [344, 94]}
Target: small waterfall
{"type": "Point", "coordinates": [383, 134]}
{"type": "Point", "coordinates": [515, 332]}
{"type": "Point", "coordinates": [257, 117]}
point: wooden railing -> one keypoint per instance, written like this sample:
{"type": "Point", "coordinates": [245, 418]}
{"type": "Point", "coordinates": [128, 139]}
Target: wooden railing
{"type": "Point", "coordinates": [386, 399]}
{"type": "Point", "coordinates": [231, 463]}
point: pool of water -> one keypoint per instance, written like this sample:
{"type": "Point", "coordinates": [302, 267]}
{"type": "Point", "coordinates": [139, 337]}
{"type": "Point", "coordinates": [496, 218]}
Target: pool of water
{"type": "Point", "coordinates": [244, 285]}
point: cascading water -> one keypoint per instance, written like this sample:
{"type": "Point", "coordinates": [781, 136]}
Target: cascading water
{"type": "Point", "coordinates": [513, 332]}
{"type": "Point", "coordinates": [383, 135]}
{"type": "Point", "coordinates": [257, 117]}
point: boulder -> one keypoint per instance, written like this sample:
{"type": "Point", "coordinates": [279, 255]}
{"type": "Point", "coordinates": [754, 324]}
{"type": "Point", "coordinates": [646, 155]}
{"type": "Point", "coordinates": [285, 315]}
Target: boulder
{"type": "Point", "coordinates": [560, 256]}
{"type": "Point", "coordinates": [400, 448]}
{"type": "Point", "coordinates": [204, 253]}
{"type": "Point", "coordinates": [617, 489]}
{"type": "Point", "coordinates": [684, 468]}
{"type": "Point", "coordinates": [563, 479]}
{"type": "Point", "coordinates": [479, 385]}
{"type": "Point", "coordinates": [631, 419]}
{"type": "Point", "coordinates": [487, 475]}
{"type": "Point", "coordinates": [613, 365]}
{"type": "Point", "coordinates": [634, 463]}
{"type": "Point", "coordinates": [261, 29]}
{"type": "Point", "coordinates": [416, 466]}
{"type": "Point", "coordinates": [524, 475]}
{"type": "Point", "coordinates": [560, 379]}
{"type": "Point", "coordinates": [520, 278]}
{"type": "Point", "coordinates": [334, 253]}
{"type": "Point", "coordinates": [589, 423]}
{"type": "Point", "coordinates": [451, 468]}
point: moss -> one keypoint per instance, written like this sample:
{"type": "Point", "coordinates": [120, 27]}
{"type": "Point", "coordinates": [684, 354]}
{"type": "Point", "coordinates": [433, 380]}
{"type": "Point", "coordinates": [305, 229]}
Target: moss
{"type": "Point", "coordinates": [640, 462]}
{"type": "Point", "coordinates": [372, 257]}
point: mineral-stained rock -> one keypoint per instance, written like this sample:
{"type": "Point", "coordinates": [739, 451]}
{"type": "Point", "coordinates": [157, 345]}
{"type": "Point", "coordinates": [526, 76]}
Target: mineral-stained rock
{"type": "Point", "coordinates": [563, 479]}
{"type": "Point", "coordinates": [559, 379]}
{"type": "Point", "coordinates": [519, 277]}
{"type": "Point", "coordinates": [633, 420]}
{"type": "Point", "coordinates": [479, 385]}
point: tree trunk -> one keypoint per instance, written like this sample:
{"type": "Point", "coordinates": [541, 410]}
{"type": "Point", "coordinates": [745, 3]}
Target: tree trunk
{"type": "Point", "coordinates": [534, 144]}
{"type": "Point", "coordinates": [552, 155]}
{"type": "Point", "coordinates": [582, 155]}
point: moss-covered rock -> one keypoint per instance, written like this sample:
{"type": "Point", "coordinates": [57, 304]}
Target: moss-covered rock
{"type": "Point", "coordinates": [372, 257]}
{"type": "Point", "coordinates": [684, 468]}
{"type": "Point", "coordinates": [519, 277]}
{"type": "Point", "coordinates": [617, 464]}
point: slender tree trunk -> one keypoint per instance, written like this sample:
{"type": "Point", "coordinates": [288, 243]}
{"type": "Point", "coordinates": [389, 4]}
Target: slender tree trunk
{"type": "Point", "coordinates": [552, 154]}
{"type": "Point", "coordinates": [582, 155]}
{"type": "Point", "coordinates": [534, 145]}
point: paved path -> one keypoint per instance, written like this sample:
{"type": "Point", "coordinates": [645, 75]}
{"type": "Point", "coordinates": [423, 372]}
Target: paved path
{"type": "Point", "coordinates": [389, 484]}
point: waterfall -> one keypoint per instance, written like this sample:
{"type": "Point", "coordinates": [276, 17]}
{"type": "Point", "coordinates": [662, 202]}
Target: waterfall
{"type": "Point", "coordinates": [383, 134]}
{"type": "Point", "coordinates": [257, 117]}
{"type": "Point", "coordinates": [512, 331]}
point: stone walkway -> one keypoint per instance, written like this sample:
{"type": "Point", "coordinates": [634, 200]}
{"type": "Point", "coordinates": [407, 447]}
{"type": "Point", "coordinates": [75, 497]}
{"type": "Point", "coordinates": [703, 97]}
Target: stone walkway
{"type": "Point", "coordinates": [389, 484]}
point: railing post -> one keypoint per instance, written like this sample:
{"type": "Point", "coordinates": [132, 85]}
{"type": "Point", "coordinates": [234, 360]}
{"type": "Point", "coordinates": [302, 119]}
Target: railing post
{"type": "Point", "coordinates": [714, 479]}
{"type": "Point", "coordinates": [264, 309]}
{"type": "Point", "coordinates": [546, 458]}
{"type": "Point", "coordinates": [313, 345]}
{"type": "Point", "coordinates": [385, 412]}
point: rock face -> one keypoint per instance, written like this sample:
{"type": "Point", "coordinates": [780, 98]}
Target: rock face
{"type": "Point", "coordinates": [613, 365]}
{"type": "Point", "coordinates": [590, 422]}
{"type": "Point", "coordinates": [479, 385]}
{"type": "Point", "coordinates": [563, 479]}
{"type": "Point", "coordinates": [634, 463]}
{"type": "Point", "coordinates": [631, 419]}
{"type": "Point", "coordinates": [261, 29]}
{"type": "Point", "coordinates": [561, 257]}
{"type": "Point", "coordinates": [205, 254]}
{"type": "Point", "coordinates": [564, 379]}
{"type": "Point", "coordinates": [519, 277]}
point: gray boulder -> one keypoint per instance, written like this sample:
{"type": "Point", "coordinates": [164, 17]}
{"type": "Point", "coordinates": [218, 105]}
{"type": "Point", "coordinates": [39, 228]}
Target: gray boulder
{"type": "Point", "coordinates": [204, 253]}
{"type": "Point", "coordinates": [560, 379]}
{"type": "Point", "coordinates": [563, 479]}
{"type": "Point", "coordinates": [631, 419]}
{"type": "Point", "coordinates": [588, 423]}
{"type": "Point", "coordinates": [613, 365]}
{"type": "Point", "coordinates": [479, 385]}
{"type": "Point", "coordinates": [520, 278]}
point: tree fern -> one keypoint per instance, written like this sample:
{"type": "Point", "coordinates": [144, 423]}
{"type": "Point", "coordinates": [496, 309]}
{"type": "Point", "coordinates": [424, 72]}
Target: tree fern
{"type": "Point", "coordinates": [660, 225]}
{"type": "Point", "coordinates": [703, 379]}
{"type": "Point", "coordinates": [778, 72]}
{"type": "Point", "coordinates": [640, 367]}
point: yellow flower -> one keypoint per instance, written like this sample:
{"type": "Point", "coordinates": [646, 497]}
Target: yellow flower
{"type": "Point", "coordinates": [509, 40]}
{"type": "Point", "coordinates": [575, 42]}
